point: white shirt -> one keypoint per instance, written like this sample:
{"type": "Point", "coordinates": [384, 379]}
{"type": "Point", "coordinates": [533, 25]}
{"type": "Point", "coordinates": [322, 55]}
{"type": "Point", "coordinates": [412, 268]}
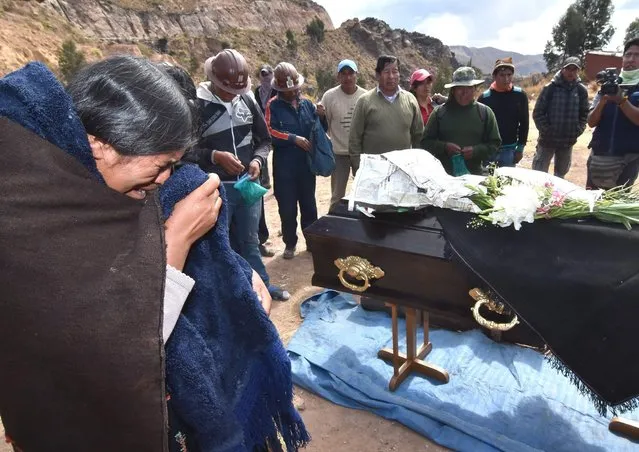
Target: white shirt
{"type": "Point", "coordinates": [177, 288]}
{"type": "Point", "coordinates": [392, 98]}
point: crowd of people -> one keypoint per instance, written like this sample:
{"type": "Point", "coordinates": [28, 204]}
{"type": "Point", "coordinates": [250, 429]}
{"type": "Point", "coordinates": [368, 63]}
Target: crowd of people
{"type": "Point", "coordinates": [81, 222]}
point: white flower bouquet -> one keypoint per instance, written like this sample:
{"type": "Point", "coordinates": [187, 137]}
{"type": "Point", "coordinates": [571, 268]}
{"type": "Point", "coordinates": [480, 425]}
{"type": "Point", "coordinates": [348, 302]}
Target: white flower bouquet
{"type": "Point", "coordinates": [512, 196]}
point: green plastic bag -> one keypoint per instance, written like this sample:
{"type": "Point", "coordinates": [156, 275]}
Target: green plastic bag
{"type": "Point", "coordinates": [459, 166]}
{"type": "Point", "coordinates": [251, 191]}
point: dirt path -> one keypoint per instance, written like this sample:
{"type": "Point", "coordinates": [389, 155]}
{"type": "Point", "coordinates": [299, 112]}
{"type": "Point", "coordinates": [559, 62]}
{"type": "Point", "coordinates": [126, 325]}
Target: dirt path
{"type": "Point", "coordinates": [334, 428]}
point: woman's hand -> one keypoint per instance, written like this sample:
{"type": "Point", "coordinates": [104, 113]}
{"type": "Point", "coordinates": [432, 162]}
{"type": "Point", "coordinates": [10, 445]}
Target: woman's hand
{"type": "Point", "coordinates": [192, 217]}
{"type": "Point", "coordinates": [303, 143]}
{"type": "Point", "coordinates": [452, 149]}
{"type": "Point", "coordinates": [262, 292]}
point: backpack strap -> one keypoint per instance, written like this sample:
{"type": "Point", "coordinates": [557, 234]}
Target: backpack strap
{"type": "Point", "coordinates": [250, 103]}
{"type": "Point", "coordinates": [517, 89]}
{"type": "Point", "coordinates": [440, 112]}
{"type": "Point", "coordinates": [486, 94]}
{"type": "Point", "coordinates": [482, 110]}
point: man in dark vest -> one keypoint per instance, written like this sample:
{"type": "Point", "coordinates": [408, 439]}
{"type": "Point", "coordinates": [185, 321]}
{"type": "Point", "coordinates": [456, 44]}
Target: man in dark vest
{"type": "Point", "coordinates": [510, 105]}
{"type": "Point", "coordinates": [614, 157]}
{"type": "Point", "coordinates": [234, 141]}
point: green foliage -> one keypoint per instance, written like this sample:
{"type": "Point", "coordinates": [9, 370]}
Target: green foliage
{"type": "Point", "coordinates": [632, 31]}
{"type": "Point", "coordinates": [585, 26]}
{"type": "Point", "coordinates": [194, 64]}
{"type": "Point", "coordinates": [315, 30]}
{"type": "Point", "coordinates": [443, 75]}
{"type": "Point", "coordinates": [291, 42]}
{"type": "Point", "coordinates": [325, 78]}
{"type": "Point", "coordinates": [70, 60]}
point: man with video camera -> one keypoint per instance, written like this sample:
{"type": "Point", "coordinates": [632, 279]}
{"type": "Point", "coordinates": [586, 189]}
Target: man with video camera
{"type": "Point", "coordinates": [614, 157]}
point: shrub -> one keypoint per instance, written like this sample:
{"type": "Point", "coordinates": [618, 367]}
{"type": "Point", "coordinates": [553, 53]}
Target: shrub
{"type": "Point", "coordinates": [291, 42]}
{"type": "Point", "coordinates": [70, 60]}
{"type": "Point", "coordinates": [315, 30]}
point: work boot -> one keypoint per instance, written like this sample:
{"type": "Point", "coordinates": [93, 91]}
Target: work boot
{"type": "Point", "coordinates": [277, 293]}
{"type": "Point", "coordinates": [266, 252]}
{"type": "Point", "coordinates": [289, 253]}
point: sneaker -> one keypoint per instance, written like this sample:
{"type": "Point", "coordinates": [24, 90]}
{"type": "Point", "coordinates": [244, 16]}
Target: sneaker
{"type": "Point", "coordinates": [277, 293]}
{"type": "Point", "coordinates": [289, 253]}
{"type": "Point", "coordinates": [266, 252]}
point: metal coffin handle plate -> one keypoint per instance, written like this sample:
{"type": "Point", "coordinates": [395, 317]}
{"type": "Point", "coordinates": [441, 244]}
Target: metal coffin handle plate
{"type": "Point", "coordinates": [360, 269]}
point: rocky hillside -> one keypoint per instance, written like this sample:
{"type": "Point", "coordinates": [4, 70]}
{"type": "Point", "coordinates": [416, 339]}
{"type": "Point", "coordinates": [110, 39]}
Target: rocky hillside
{"type": "Point", "coordinates": [484, 58]}
{"type": "Point", "coordinates": [189, 31]}
{"type": "Point", "coordinates": [124, 20]}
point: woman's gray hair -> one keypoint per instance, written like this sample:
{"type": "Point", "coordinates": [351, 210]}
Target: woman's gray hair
{"type": "Point", "coordinates": [134, 106]}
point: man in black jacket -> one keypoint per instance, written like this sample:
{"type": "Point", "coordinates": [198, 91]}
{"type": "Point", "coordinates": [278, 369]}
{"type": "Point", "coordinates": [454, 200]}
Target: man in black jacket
{"type": "Point", "coordinates": [234, 141]}
{"type": "Point", "coordinates": [510, 105]}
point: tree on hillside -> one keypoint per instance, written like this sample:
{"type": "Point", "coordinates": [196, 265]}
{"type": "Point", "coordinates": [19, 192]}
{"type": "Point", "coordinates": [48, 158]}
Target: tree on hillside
{"type": "Point", "coordinates": [325, 78]}
{"type": "Point", "coordinates": [70, 60]}
{"type": "Point", "coordinates": [291, 42]}
{"type": "Point", "coordinates": [585, 26]}
{"type": "Point", "coordinates": [633, 30]}
{"type": "Point", "coordinates": [315, 30]}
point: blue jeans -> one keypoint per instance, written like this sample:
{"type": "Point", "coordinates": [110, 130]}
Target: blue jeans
{"type": "Point", "coordinates": [243, 225]}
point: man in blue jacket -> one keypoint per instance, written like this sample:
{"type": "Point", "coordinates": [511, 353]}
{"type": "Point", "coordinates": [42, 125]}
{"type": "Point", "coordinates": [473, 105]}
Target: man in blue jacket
{"type": "Point", "coordinates": [290, 120]}
{"type": "Point", "coordinates": [614, 159]}
{"type": "Point", "coordinates": [234, 141]}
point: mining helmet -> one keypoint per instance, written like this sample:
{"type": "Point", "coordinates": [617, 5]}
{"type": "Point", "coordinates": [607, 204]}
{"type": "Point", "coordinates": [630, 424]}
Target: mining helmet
{"type": "Point", "coordinates": [286, 78]}
{"type": "Point", "coordinates": [229, 71]}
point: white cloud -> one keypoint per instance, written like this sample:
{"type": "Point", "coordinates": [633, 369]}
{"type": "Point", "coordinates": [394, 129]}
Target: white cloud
{"type": "Point", "coordinates": [340, 10]}
{"type": "Point", "coordinates": [528, 37]}
{"type": "Point", "coordinates": [621, 18]}
{"type": "Point", "coordinates": [448, 28]}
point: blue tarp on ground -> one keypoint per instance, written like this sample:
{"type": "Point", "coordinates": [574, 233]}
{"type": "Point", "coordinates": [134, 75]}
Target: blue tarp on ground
{"type": "Point", "coordinates": [500, 396]}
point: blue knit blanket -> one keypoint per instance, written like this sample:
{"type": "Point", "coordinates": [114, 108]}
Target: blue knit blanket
{"type": "Point", "coordinates": [228, 374]}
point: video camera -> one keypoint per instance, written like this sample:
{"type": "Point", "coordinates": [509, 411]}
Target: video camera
{"type": "Point", "coordinates": [609, 81]}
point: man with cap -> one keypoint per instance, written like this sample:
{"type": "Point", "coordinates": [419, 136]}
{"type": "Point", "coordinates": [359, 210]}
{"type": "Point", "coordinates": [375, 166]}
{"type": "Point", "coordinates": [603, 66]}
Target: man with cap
{"type": "Point", "coordinates": [290, 120]}
{"type": "Point", "coordinates": [510, 105]}
{"type": "Point", "coordinates": [421, 85]}
{"type": "Point", "coordinates": [386, 118]}
{"type": "Point", "coordinates": [614, 157]}
{"type": "Point", "coordinates": [560, 114]}
{"type": "Point", "coordinates": [235, 141]}
{"type": "Point", "coordinates": [337, 107]}
{"type": "Point", "coordinates": [462, 132]}
{"type": "Point", "coordinates": [263, 93]}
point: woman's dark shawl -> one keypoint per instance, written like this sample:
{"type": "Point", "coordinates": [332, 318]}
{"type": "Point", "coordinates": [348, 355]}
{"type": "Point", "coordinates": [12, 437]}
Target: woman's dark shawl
{"type": "Point", "coordinates": [228, 374]}
{"type": "Point", "coordinates": [82, 273]}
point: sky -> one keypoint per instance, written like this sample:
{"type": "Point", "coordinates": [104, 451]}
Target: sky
{"type": "Point", "coordinates": [513, 25]}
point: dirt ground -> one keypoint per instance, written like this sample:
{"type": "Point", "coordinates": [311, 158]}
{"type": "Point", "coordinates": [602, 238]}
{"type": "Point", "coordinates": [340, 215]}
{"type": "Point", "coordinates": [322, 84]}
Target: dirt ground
{"type": "Point", "coordinates": [334, 428]}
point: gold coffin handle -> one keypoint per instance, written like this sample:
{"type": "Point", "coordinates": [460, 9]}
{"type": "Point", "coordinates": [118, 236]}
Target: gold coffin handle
{"type": "Point", "coordinates": [482, 300]}
{"type": "Point", "coordinates": [358, 268]}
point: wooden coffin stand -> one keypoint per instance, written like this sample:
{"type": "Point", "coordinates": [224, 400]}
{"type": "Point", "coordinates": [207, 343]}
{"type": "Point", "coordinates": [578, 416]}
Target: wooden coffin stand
{"type": "Point", "coordinates": [405, 261]}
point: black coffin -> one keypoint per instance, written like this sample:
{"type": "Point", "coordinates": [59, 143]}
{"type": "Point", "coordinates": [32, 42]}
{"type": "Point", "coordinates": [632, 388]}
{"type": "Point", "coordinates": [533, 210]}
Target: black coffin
{"type": "Point", "coordinates": [418, 265]}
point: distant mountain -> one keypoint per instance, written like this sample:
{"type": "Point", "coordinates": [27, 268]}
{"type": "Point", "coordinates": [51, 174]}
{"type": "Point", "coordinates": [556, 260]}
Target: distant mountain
{"type": "Point", "coordinates": [484, 58]}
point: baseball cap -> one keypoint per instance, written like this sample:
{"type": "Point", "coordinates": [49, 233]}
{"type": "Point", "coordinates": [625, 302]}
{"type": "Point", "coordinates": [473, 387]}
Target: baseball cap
{"type": "Point", "coordinates": [419, 76]}
{"type": "Point", "coordinates": [571, 61]}
{"type": "Point", "coordinates": [346, 63]}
